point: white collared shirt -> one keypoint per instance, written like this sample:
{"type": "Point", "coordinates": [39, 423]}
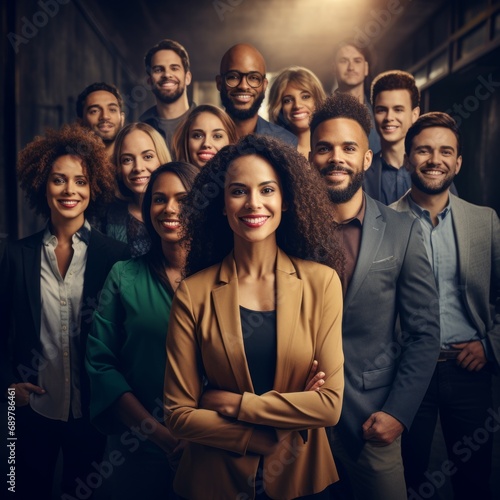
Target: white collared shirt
{"type": "Point", "coordinates": [61, 302]}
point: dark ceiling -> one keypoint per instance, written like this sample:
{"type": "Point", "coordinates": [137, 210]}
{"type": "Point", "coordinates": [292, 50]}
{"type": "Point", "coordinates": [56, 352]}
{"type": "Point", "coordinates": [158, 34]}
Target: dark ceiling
{"type": "Point", "coordinates": [287, 32]}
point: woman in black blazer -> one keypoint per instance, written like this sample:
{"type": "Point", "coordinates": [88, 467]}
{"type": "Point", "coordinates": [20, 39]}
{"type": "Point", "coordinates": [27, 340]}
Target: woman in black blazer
{"type": "Point", "coordinates": [50, 286]}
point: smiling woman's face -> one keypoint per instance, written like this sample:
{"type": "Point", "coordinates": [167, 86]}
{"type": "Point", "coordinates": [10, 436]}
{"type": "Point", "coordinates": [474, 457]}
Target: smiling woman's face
{"type": "Point", "coordinates": [253, 199]}
{"type": "Point", "coordinates": [207, 135]}
{"type": "Point", "coordinates": [138, 159]}
{"type": "Point", "coordinates": [68, 189]}
{"type": "Point", "coordinates": [167, 192]}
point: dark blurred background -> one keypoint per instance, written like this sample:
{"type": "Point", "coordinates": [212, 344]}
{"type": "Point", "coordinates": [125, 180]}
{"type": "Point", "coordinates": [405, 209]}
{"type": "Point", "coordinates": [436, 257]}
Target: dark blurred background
{"type": "Point", "coordinates": [52, 49]}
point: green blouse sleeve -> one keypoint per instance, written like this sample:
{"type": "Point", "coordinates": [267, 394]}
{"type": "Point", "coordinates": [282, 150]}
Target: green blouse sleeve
{"type": "Point", "coordinates": [107, 382]}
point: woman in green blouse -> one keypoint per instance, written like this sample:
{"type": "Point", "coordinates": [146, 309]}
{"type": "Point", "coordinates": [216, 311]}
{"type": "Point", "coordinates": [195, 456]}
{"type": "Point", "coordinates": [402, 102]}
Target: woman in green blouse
{"type": "Point", "coordinates": [126, 350]}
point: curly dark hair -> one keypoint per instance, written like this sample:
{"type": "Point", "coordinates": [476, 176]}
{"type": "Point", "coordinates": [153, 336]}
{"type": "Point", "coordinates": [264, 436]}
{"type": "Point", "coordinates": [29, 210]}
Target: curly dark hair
{"type": "Point", "coordinates": [395, 80]}
{"type": "Point", "coordinates": [342, 105]}
{"type": "Point", "coordinates": [35, 162]}
{"type": "Point", "coordinates": [306, 230]}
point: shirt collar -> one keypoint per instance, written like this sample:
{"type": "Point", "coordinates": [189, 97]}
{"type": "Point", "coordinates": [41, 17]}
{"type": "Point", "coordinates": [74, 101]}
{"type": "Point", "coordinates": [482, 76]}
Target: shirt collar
{"type": "Point", "coordinates": [360, 216]}
{"type": "Point", "coordinates": [420, 212]}
{"type": "Point", "coordinates": [83, 234]}
{"type": "Point", "coordinates": [385, 165]}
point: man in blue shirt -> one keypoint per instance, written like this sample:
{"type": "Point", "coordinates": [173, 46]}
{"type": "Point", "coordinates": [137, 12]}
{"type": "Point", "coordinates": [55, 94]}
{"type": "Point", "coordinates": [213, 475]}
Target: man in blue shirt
{"type": "Point", "coordinates": [463, 245]}
{"type": "Point", "coordinates": [396, 105]}
{"type": "Point", "coordinates": [242, 84]}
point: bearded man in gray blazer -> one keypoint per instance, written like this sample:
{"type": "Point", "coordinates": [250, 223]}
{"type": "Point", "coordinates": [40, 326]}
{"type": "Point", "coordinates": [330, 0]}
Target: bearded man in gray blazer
{"type": "Point", "coordinates": [387, 282]}
{"type": "Point", "coordinates": [463, 244]}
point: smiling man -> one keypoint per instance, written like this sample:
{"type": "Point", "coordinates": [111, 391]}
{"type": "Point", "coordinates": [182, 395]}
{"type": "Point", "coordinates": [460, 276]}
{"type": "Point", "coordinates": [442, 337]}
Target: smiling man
{"type": "Point", "coordinates": [396, 105]}
{"type": "Point", "coordinates": [100, 108]}
{"type": "Point", "coordinates": [242, 84]}
{"type": "Point", "coordinates": [351, 69]}
{"type": "Point", "coordinates": [463, 245]}
{"type": "Point", "coordinates": [169, 75]}
{"type": "Point", "coordinates": [387, 281]}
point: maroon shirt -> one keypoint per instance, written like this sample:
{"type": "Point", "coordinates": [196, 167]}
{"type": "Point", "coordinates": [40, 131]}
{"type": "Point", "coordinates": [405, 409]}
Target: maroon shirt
{"type": "Point", "coordinates": [350, 239]}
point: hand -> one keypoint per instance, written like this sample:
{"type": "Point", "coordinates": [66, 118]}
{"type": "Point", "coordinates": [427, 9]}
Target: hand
{"type": "Point", "coordinates": [381, 429]}
{"type": "Point", "coordinates": [223, 402]}
{"type": "Point", "coordinates": [314, 380]}
{"type": "Point", "coordinates": [23, 391]}
{"type": "Point", "coordinates": [174, 456]}
{"type": "Point", "coordinates": [472, 357]}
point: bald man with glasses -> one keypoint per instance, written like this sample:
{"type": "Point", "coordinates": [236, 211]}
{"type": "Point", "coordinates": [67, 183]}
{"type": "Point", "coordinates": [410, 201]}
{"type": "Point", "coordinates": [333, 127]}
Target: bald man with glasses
{"type": "Point", "coordinates": [242, 85]}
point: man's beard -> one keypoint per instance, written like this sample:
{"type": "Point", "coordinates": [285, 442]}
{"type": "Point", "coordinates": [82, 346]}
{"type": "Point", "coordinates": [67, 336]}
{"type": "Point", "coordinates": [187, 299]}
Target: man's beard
{"type": "Point", "coordinates": [169, 96]}
{"type": "Point", "coordinates": [240, 114]}
{"type": "Point", "coordinates": [345, 194]}
{"type": "Point", "coordinates": [108, 138]}
{"type": "Point", "coordinates": [437, 189]}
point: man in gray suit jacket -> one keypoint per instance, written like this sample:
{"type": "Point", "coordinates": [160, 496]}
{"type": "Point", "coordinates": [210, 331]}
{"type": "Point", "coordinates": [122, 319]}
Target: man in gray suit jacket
{"type": "Point", "coordinates": [387, 281]}
{"type": "Point", "coordinates": [463, 244]}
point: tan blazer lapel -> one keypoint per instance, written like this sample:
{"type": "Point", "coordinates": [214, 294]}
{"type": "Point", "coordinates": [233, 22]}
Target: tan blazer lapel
{"type": "Point", "coordinates": [226, 304]}
{"type": "Point", "coordinates": [288, 304]}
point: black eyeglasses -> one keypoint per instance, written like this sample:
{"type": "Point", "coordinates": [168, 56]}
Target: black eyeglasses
{"type": "Point", "coordinates": [233, 78]}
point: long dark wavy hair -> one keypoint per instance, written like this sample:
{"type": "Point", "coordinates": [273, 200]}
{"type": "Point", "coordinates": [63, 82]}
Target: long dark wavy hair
{"type": "Point", "coordinates": [156, 260]}
{"type": "Point", "coordinates": [306, 230]}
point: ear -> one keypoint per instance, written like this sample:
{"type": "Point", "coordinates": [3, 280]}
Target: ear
{"type": "Point", "coordinates": [459, 165]}
{"type": "Point", "coordinates": [265, 83]}
{"type": "Point", "coordinates": [224, 211]}
{"type": "Point", "coordinates": [367, 160]}
{"type": "Point", "coordinates": [284, 206]}
{"type": "Point", "coordinates": [188, 78]}
{"type": "Point", "coordinates": [367, 68]}
{"type": "Point", "coordinates": [218, 81]}
{"type": "Point", "coordinates": [122, 118]}
{"type": "Point", "coordinates": [415, 113]}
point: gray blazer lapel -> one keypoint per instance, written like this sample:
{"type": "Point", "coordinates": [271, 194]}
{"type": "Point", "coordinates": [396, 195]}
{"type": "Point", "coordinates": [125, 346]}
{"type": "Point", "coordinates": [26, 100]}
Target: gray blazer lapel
{"type": "Point", "coordinates": [371, 238]}
{"type": "Point", "coordinates": [463, 235]}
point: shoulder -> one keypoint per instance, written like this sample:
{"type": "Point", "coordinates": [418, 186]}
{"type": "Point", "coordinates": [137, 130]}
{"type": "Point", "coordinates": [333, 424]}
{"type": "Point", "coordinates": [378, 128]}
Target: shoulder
{"type": "Point", "coordinates": [378, 209]}
{"type": "Point", "coordinates": [205, 278]}
{"type": "Point", "coordinates": [15, 252]}
{"type": "Point", "coordinates": [128, 271]}
{"type": "Point", "coordinates": [470, 208]}
{"type": "Point", "coordinates": [111, 247]}
{"type": "Point", "coordinates": [313, 272]}
{"type": "Point", "coordinates": [402, 204]}
{"type": "Point", "coordinates": [266, 128]}
{"type": "Point", "coordinates": [148, 114]}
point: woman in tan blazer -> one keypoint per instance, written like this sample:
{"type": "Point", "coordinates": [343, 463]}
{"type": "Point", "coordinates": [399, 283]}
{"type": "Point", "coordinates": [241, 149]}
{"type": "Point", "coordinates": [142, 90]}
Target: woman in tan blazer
{"type": "Point", "coordinates": [245, 330]}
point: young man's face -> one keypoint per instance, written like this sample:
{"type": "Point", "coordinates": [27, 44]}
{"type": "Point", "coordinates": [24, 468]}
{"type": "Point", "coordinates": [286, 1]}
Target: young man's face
{"type": "Point", "coordinates": [350, 67]}
{"type": "Point", "coordinates": [102, 114]}
{"type": "Point", "coordinates": [434, 160]}
{"type": "Point", "coordinates": [168, 79]}
{"type": "Point", "coordinates": [394, 115]}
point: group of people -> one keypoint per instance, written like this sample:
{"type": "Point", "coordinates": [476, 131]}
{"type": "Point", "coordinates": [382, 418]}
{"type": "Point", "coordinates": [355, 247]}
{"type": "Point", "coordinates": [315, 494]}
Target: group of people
{"type": "Point", "coordinates": [232, 302]}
